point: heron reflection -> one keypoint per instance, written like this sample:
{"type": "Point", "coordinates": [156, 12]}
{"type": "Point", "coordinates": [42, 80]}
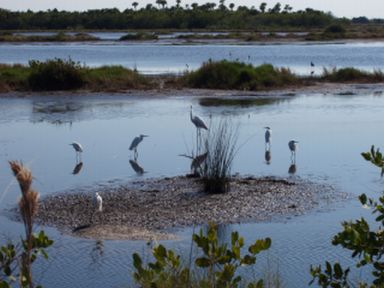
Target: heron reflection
{"type": "Point", "coordinates": [77, 168]}
{"type": "Point", "coordinates": [292, 168]}
{"type": "Point", "coordinates": [267, 156]}
{"type": "Point", "coordinates": [136, 167]}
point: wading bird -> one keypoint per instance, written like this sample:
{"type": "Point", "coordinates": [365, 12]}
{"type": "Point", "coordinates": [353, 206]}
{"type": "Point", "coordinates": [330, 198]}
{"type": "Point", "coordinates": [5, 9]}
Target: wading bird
{"type": "Point", "coordinates": [136, 142]}
{"type": "Point", "coordinates": [268, 135]}
{"type": "Point", "coordinates": [292, 146]}
{"type": "Point", "coordinates": [78, 148]}
{"type": "Point", "coordinates": [199, 124]}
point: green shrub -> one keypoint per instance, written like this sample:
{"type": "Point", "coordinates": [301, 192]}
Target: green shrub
{"type": "Point", "coordinates": [139, 36]}
{"type": "Point", "coordinates": [236, 75]}
{"type": "Point", "coordinates": [217, 260]}
{"type": "Point", "coordinates": [350, 74]}
{"type": "Point", "coordinates": [364, 240]}
{"type": "Point", "coordinates": [56, 74]}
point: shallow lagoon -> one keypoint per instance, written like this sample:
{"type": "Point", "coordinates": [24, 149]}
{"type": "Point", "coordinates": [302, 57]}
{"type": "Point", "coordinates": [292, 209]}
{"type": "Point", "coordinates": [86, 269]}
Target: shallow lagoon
{"type": "Point", "coordinates": [332, 130]}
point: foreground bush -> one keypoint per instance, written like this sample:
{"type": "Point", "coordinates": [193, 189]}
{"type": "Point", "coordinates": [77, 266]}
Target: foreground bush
{"type": "Point", "coordinates": [16, 259]}
{"type": "Point", "coordinates": [236, 75]}
{"type": "Point", "coordinates": [56, 74]}
{"type": "Point", "coordinates": [218, 262]}
{"type": "Point", "coordinates": [364, 241]}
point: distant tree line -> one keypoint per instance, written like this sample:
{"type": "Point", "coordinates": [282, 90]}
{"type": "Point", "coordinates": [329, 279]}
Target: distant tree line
{"type": "Point", "coordinates": [161, 16]}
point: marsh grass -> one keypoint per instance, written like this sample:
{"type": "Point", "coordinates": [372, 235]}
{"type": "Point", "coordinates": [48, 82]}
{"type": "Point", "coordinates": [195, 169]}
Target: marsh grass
{"type": "Point", "coordinates": [220, 146]}
{"type": "Point", "coordinates": [237, 75]}
{"type": "Point", "coordinates": [114, 78]}
{"type": "Point", "coordinates": [58, 37]}
{"type": "Point", "coordinates": [139, 36]}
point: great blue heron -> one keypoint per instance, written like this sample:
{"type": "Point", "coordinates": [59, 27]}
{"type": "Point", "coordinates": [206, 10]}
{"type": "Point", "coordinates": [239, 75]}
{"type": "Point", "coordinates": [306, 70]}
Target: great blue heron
{"type": "Point", "coordinates": [199, 124]}
{"type": "Point", "coordinates": [78, 148]}
{"type": "Point", "coordinates": [98, 203]}
{"type": "Point", "coordinates": [312, 64]}
{"type": "Point", "coordinates": [136, 142]}
{"type": "Point", "coordinates": [293, 146]}
{"type": "Point", "coordinates": [268, 135]}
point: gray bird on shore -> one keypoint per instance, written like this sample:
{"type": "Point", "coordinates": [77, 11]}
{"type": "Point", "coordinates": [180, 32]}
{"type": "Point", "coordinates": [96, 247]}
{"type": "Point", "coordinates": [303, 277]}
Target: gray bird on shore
{"type": "Point", "coordinates": [268, 135]}
{"type": "Point", "coordinates": [293, 146]}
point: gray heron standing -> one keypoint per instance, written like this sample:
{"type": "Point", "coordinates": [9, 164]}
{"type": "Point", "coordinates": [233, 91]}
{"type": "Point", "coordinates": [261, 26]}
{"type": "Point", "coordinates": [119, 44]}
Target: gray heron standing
{"type": "Point", "coordinates": [136, 142]}
{"type": "Point", "coordinates": [199, 124]}
{"type": "Point", "coordinates": [78, 148]}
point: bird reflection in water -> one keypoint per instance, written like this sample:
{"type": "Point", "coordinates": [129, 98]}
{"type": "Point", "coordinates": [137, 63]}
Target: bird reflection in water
{"type": "Point", "coordinates": [292, 168]}
{"type": "Point", "coordinates": [77, 168]}
{"type": "Point", "coordinates": [136, 167]}
{"type": "Point", "coordinates": [268, 156]}
{"type": "Point", "coordinates": [97, 252]}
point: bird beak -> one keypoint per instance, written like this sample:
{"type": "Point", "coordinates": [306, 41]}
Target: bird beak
{"type": "Point", "coordinates": [145, 135]}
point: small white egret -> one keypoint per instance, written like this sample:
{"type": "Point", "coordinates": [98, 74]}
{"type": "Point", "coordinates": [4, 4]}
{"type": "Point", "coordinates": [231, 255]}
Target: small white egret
{"type": "Point", "coordinates": [293, 146]}
{"type": "Point", "coordinates": [78, 148]}
{"type": "Point", "coordinates": [136, 142]}
{"type": "Point", "coordinates": [98, 202]}
{"type": "Point", "coordinates": [268, 135]}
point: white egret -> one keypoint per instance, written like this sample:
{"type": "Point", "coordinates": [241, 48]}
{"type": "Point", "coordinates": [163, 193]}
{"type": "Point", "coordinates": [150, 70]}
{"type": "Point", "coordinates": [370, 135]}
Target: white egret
{"type": "Point", "coordinates": [98, 202]}
{"type": "Point", "coordinates": [136, 142]}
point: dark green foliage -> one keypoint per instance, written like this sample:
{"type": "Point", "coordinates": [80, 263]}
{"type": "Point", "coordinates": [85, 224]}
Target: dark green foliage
{"type": "Point", "coordinates": [335, 29]}
{"type": "Point", "coordinates": [56, 74]}
{"type": "Point", "coordinates": [219, 261]}
{"type": "Point", "coordinates": [204, 16]}
{"type": "Point", "coordinates": [236, 75]}
{"type": "Point", "coordinates": [220, 146]}
{"type": "Point", "coordinates": [365, 242]}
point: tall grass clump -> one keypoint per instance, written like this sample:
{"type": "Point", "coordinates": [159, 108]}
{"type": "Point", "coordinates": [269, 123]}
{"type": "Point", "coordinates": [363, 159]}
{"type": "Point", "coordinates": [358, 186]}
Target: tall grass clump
{"type": "Point", "coordinates": [236, 75]}
{"type": "Point", "coordinates": [350, 74]}
{"type": "Point", "coordinates": [14, 263]}
{"type": "Point", "coordinates": [220, 146]}
{"type": "Point", "coordinates": [55, 74]}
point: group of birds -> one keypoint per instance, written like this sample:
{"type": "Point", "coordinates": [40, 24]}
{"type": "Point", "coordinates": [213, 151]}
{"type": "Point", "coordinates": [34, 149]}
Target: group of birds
{"type": "Point", "coordinates": [199, 124]}
{"type": "Point", "coordinates": [292, 144]}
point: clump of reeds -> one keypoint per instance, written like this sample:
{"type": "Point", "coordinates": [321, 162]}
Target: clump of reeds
{"type": "Point", "coordinates": [28, 205]}
{"type": "Point", "coordinates": [220, 146]}
{"type": "Point", "coordinates": [350, 74]}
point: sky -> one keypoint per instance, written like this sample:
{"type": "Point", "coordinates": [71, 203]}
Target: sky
{"type": "Point", "coordinates": [339, 8]}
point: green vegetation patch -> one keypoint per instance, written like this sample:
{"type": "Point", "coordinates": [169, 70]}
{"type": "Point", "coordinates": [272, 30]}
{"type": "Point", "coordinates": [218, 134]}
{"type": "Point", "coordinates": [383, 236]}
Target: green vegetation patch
{"type": "Point", "coordinates": [13, 77]}
{"type": "Point", "coordinates": [350, 74]}
{"type": "Point", "coordinates": [114, 78]}
{"type": "Point", "coordinates": [237, 75]}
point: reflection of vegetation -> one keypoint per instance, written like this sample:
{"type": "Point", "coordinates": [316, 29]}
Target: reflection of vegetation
{"type": "Point", "coordinates": [235, 75]}
{"type": "Point", "coordinates": [218, 262]}
{"type": "Point", "coordinates": [242, 102]}
{"type": "Point", "coordinates": [365, 242]}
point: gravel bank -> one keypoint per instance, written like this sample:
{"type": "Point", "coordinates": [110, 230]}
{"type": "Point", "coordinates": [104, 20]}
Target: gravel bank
{"type": "Point", "coordinates": [149, 208]}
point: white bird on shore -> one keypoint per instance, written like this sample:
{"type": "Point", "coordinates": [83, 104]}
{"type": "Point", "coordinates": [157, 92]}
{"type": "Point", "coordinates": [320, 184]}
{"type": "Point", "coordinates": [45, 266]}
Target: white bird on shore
{"type": "Point", "coordinates": [98, 202]}
{"type": "Point", "coordinates": [78, 148]}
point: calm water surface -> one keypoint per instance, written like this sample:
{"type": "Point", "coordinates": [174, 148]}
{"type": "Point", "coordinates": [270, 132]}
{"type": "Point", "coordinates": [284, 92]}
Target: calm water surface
{"type": "Point", "coordinates": [152, 58]}
{"type": "Point", "coordinates": [332, 131]}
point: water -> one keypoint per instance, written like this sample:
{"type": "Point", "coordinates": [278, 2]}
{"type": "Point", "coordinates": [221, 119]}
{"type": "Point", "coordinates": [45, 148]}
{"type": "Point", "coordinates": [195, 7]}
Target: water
{"type": "Point", "coordinates": [332, 132]}
{"type": "Point", "coordinates": [164, 57]}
